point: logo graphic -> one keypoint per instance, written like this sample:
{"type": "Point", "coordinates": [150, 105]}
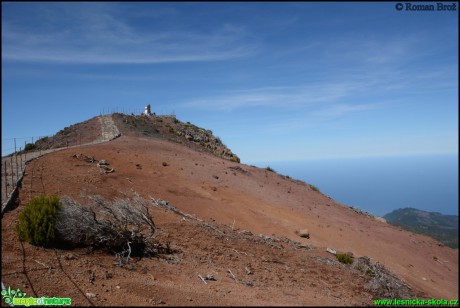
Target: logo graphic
{"type": "Point", "coordinates": [18, 298]}
{"type": "Point", "coordinates": [10, 295]}
{"type": "Point", "coordinates": [399, 6]}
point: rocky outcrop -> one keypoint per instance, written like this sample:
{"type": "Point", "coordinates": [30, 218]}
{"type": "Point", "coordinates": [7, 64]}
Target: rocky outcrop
{"type": "Point", "coordinates": [206, 139]}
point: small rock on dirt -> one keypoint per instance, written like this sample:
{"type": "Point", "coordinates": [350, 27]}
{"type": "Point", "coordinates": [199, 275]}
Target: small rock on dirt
{"type": "Point", "coordinates": [303, 233]}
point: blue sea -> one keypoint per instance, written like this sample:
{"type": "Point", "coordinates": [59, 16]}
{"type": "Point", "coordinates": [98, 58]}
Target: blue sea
{"type": "Point", "coordinates": [381, 185]}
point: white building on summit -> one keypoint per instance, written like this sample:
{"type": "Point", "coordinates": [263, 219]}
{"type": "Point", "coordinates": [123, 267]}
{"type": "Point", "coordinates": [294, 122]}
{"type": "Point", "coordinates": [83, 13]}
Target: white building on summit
{"type": "Point", "coordinates": [147, 110]}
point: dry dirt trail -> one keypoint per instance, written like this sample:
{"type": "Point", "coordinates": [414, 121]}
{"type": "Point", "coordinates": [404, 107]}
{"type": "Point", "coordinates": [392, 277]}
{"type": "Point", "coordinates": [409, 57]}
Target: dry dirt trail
{"type": "Point", "coordinates": [236, 198]}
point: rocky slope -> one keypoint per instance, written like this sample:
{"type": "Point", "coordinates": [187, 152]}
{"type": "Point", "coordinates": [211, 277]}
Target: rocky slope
{"type": "Point", "coordinates": [79, 133]}
{"type": "Point", "coordinates": [166, 127]}
{"type": "Point", "coordinates": [170, 128]}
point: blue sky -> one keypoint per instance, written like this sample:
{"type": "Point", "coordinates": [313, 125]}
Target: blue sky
{"type": "Point", "coordinates": [276, 81]}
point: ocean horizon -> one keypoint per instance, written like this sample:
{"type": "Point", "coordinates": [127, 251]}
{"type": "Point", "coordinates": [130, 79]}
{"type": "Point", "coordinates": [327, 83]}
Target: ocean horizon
{"type": "Point", "coordinates": [379, 185]}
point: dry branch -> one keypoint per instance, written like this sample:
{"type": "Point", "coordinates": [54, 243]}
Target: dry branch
{"type": "Point", "coordinates": [124, 227]}
{"type": "Point", "coordinates": [201, 277]}
{"type": "Point", "coordinates": [233, 276]}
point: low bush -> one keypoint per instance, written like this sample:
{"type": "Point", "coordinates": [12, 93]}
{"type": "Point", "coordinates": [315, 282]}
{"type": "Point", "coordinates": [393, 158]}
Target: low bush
{"type": "Point", "coordinates": [37, 221]}
{"type": "Point", "coordinates": [344, 258]}
{"type": "Point", "coordinates": [65, 131]}
{"type": "Point", "coordinates": [370, 272]}
{"type": "Point", "coordinates": [29, 147]}
{"type": "Point", "coordinates": [123, 227]}
{"type": "Point", "coordinates": [235, 159]}
{"type": "Point", "coordinates": [44, 139]}
{"type": "Point", "coordinates": [269, 169]}
{"type": "Point", "coordinates": [314, 188]}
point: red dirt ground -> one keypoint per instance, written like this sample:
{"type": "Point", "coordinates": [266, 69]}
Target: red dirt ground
{"type": "Point", "coordinates": [205, 186]}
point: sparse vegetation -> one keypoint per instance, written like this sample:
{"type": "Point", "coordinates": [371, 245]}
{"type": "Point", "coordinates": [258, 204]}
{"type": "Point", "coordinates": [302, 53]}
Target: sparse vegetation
{"type": "Point", "coordinates": [314, 188]}
{"type": "Point", "coordinates": [44, 139]}
{"type": "Point", "coordinates": [65, 131]}
{"type": "Point", "coordinates": [29, 147]}
{"type": "Point", "coordinates": [124, 227]}
{"type": "Point", "coordinates": [37, 221]}
{"type": "Point", "coordinates": [193, 126]}
{"type": "Point", "coordinates": [370, 272]}
{"type": "Point", "coordinates": [269, 169]}
{"type": "Point", "coordinates": [344, 258]}
{"type": "Point", "coordinates": [235, 159]}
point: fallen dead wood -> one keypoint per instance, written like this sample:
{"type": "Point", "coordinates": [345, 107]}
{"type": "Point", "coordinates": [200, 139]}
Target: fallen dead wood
{"type": "Point", "coordinates": [201, 277]}
{"type": "Point", "coordinates": [233, 276]}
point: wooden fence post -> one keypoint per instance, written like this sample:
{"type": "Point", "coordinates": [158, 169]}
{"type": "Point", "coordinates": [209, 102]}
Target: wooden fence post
{"type": "Point", "coordinates": [6, 182]}
{"type": "Point", "coordinates": [17, 170]}
{"type": "Point", "coordinates": [20, 159]}
{"type": "Point", "coordinates": [11, 168]}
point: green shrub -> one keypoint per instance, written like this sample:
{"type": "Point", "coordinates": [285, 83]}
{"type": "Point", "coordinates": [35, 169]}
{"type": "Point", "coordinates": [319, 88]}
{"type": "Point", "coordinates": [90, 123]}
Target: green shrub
{"type": "Point", "coordinates": [29, 147]}
{"type": "Point", "coordinates": [370, 272]}
{"type": "Point", "coordinates": [37, 221]}
{"type": "Point", "coordinates": [44, 139]}
{"type": "Point", "coordinates": [269, 169]}
{"type": "Point", "coordinates": [344, 258]}
{"type": "Point", "coordinates": [313, 187]}
{"type": "Point", "coordinates": [235, 159]}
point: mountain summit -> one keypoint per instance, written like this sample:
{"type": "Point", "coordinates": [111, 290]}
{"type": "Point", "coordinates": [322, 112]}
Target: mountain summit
{"type": "Point", "coordinates": [166, 127]}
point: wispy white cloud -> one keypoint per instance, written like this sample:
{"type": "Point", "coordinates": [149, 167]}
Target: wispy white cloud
{"type": "Point", "coordinates": [100, 37]}
{"type": "Point", "coordinates": [339, 110]}
{"type": "Point", "coordinates": [276, 96]}
{"type": "Point", "coordinates": [286, 109]}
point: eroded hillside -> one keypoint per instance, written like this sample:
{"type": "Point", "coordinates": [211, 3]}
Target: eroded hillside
{"type": "Point", "coordinates": [240, 229]}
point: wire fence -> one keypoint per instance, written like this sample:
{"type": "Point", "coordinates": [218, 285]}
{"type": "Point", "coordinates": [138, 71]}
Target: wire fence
{"type": "Point", "coordinates": [13, 166]}
{"type": "Point", "coordinates": [134, 111]}
{"type": "Point", "coordinates": [110, 110]}
{"type": "Point", "coordinates": [15, 144]}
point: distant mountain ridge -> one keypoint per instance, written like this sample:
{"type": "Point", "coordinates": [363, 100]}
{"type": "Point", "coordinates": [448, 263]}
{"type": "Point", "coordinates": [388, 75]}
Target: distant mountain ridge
{"type": "Point", "coordinates": [443, 228]}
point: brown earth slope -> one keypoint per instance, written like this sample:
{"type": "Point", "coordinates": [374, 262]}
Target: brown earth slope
{"type": "Point", "coordinates": [277, 268]}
